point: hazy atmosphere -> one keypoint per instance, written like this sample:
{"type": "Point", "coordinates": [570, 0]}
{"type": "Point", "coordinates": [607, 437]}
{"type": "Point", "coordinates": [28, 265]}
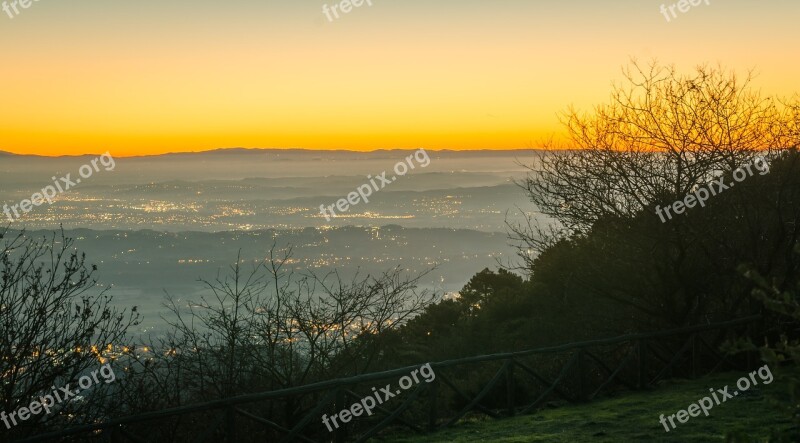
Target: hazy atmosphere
{"type": "Point", "coordinates": [401, 221]}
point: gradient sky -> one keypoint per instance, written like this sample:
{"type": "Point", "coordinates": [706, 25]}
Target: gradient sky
{"type": "Point", "coordinates": [143, 77]}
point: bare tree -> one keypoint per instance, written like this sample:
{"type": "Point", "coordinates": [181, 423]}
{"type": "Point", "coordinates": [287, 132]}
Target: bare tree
{"type": "Point", "coordinates": [54, 324]}
{"type": "Point", "coordinates": [267, 327]}
{"type": "Point", "coordinates": [661, 135]}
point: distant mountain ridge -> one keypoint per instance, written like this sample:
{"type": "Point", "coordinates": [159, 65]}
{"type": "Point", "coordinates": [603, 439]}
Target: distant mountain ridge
{"type": "Point", "coordinates": [295, 152]}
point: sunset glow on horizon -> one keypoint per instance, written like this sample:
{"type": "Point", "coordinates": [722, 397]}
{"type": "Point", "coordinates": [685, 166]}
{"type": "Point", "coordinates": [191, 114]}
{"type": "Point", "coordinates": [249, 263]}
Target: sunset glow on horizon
{"type": "Point", "coordinates": [154, 77]}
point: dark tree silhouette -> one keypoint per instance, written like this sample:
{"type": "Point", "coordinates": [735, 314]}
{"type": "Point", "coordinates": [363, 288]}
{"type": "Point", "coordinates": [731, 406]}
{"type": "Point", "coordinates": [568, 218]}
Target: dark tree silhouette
{"type": "Point", "coordinates": [54, 326]}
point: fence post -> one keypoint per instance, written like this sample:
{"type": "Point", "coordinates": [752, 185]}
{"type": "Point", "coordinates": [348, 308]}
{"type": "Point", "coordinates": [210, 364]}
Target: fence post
{"type": "Point", "coordinates": [510, 389]}
{"type": "Point", "coordinates": [433, 411]}
{"type": "Point", "coordinates": [340, 434]}
{"type": "Point", "coordinates": [230, 424]}
{"type": "Point", "coordinates": [749, 354]}
{"type": "Point", "coordinates": [642, 379]}
{"type": "Point", "coordinates": [694, 356]}
{"type": "Point", "coordinates": [579, 363]}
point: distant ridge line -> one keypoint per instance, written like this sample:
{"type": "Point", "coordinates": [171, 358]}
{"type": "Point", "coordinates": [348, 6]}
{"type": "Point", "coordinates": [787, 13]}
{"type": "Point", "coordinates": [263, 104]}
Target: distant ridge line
{"type": "Point", "coordinates": [278, 151]}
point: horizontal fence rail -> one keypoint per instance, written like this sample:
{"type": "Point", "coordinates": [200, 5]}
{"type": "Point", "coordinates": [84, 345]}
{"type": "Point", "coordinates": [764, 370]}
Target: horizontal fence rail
{"type": "Point", "coordinates": [495, 385]}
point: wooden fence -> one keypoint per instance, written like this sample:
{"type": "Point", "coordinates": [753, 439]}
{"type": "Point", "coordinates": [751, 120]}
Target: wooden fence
{"type": "Point", "coordinates": [497, 385]}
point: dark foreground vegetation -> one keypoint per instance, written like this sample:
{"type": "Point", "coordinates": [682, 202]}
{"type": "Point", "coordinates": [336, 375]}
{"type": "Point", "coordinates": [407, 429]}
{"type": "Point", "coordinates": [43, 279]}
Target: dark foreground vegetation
{"type": "Point", "coordinates": [607, 265]}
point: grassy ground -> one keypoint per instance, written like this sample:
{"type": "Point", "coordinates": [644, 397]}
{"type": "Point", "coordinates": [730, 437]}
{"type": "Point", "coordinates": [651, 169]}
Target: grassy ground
{"type": "Point", "coordinates": [635, 417]}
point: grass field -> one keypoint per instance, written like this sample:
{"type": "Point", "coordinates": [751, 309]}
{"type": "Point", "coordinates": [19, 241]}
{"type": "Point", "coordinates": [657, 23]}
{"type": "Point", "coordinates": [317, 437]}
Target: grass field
{"type": "Point", "coordinates": [635, 417]}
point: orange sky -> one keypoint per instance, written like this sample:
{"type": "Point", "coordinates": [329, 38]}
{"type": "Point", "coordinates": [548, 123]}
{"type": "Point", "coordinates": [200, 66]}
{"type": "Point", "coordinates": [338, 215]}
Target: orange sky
{"type": "Point", "coordinates": [145, 77]}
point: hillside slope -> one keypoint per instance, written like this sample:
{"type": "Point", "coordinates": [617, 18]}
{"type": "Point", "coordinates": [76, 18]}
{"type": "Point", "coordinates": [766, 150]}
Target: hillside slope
{"type": "Point", "coordinates": [635, 418]}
